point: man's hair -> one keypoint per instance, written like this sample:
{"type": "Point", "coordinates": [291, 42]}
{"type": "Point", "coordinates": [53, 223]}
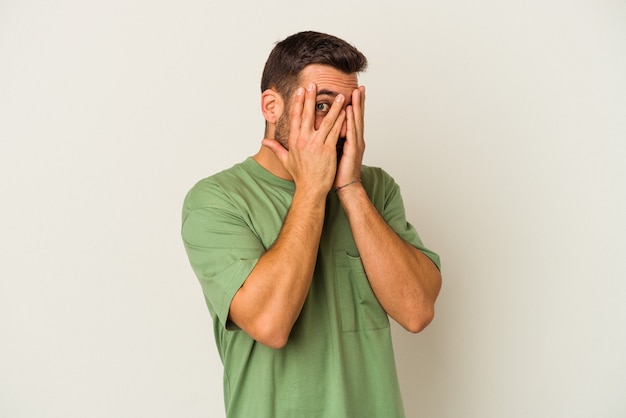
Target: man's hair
{"type": "Point", "coordinates": [292, 54]}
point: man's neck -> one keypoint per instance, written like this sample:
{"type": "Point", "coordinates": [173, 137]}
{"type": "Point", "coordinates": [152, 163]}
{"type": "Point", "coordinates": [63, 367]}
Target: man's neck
{"type": "Point", "coordinates": [268, 160]}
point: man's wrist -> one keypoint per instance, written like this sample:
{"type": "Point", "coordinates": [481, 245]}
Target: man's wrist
{"type": "Point", "coordinates": [348, 184]}
{"type": "Point", "coordinates": [352, 194]}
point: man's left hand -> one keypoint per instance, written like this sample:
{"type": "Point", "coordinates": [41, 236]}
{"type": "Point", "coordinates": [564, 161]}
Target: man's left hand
{"type": "Point", "coordinates": [349, 168]}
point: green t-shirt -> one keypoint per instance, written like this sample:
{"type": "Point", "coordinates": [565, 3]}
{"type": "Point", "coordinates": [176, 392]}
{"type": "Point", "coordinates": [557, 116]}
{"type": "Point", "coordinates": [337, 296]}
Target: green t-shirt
{"type": "Point", "coordinates": [338, 361]}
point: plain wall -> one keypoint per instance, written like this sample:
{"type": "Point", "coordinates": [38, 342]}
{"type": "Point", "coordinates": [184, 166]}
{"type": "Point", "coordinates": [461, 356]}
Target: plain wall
{"type": "Point", "coordinates": [504, 123]}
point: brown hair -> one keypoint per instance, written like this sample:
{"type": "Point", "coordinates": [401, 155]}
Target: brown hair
{"type": "Point", "coordinates": [291, 55]}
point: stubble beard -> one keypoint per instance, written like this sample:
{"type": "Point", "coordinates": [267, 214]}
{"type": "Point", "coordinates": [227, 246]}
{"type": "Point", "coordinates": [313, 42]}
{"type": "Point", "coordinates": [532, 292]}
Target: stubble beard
{"type": "Point", "coordinates": [281, 134]}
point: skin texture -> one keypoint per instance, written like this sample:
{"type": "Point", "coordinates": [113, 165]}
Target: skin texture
{"type": "Point", "coordinates": [301, 146]}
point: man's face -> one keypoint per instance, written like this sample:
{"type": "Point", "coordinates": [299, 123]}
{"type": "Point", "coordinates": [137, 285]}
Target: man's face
{"type": "Point", "coordinates": [330, 82]}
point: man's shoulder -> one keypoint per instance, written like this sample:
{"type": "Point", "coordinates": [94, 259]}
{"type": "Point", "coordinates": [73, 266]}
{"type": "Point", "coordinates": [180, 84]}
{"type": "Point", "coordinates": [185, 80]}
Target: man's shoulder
{"type": "Point", "coordinates": [372, 171]}
{"type": "Point", "coordinates": [215, 188]}
{"type": "Point", "coordinates": [233, 173]}
{"type": "Point", "coordinates": [375, 176]}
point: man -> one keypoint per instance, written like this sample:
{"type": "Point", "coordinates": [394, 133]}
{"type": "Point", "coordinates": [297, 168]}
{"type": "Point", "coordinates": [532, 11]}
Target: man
{"type": "Point", "coordinates": [303, 252]}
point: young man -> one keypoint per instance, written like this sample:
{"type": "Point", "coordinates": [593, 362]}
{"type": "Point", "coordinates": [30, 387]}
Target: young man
{"type": "Point", "coordinates": [303, 253]}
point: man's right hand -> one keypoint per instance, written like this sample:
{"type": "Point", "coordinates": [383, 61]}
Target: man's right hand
{"type": "Point", "coordinates": [311, 158]}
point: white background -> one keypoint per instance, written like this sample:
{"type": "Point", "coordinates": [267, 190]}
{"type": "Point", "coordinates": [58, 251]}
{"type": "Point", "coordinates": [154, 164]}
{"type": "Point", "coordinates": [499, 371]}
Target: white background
{"type": "Point", "coordinates": [504, 122]}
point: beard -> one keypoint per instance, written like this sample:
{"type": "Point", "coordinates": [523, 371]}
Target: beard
{"type": "Point", "coordinates": [281, 134]}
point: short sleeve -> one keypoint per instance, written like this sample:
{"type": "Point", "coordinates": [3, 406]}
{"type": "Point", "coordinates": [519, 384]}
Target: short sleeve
{"type": "Point", "coordinates": [222, 250]}
{"type": "Point", "coordinates": [394, 214]}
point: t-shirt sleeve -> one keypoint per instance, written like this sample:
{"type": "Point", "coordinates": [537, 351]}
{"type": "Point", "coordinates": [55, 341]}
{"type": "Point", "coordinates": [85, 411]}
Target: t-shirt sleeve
{"type": "Point", "coordinates": [395, 216]}
{"type": "Point", "coordinates": [221, 247]}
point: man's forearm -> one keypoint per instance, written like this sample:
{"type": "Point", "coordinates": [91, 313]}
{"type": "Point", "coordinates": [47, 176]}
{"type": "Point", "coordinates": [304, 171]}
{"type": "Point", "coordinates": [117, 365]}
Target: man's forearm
{"type": "Point", "coordinates": [405, 281]}
{"type": "Point", "coordinates": [271, 298]}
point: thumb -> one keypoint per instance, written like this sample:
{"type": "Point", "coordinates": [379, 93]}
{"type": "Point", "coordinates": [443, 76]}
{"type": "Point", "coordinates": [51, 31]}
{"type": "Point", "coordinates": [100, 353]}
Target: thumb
{"type": "Point", "coordinates": [277, 148]}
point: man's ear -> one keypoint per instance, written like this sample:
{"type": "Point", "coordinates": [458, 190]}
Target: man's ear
{"type": "Point", "coordinates": [272, 106]}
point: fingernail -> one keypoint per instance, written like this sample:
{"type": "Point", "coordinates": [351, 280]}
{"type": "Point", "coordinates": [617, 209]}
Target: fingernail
{"type": "Point", "coordinates": [339, 98]}
{"type": "Point", "coordinates": [311, 87]}
{"type": "Point", "coordinates": [300, 91]}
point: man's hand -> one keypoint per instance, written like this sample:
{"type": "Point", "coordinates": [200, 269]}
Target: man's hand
{"type": "Point", "coordinates": [312, 157]}
{"type": "Point", "coordinates": [271, 299]}
{"type": "Point", "coordinates": [405, 281]}
{"type": "Point", "coordinates": [350, 165]}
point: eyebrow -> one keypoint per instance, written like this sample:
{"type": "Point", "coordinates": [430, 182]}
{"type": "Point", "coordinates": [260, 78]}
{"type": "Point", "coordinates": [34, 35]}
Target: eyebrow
{"type": "Point", "coordinates": [324, 92]}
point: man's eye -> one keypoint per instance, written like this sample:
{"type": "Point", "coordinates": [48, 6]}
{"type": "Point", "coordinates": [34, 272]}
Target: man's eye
{"type": "Point", "coordinates": [322, 107]}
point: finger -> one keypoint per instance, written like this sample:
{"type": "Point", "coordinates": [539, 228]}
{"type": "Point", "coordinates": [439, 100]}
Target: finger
{"type": "Point", "coordinates": [362, 88]}
{"type": "Point", "coordinates": [296, 112]}
{"type": "Point", "coordinates": [358, 102]}
{"type": "Point", "coordinates": [330, 120]}
{"type": "Point", "coordinates": [333, 135]}
{"type": "Point", "coordinates": [351, 131]}
{"type": "Point", "coordinates": [308, 111]}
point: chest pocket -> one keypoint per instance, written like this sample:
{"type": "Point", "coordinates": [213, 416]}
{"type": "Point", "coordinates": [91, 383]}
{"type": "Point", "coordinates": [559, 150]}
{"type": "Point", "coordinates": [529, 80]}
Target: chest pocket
{"type": "Point", "coordinates": [358, 308]}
